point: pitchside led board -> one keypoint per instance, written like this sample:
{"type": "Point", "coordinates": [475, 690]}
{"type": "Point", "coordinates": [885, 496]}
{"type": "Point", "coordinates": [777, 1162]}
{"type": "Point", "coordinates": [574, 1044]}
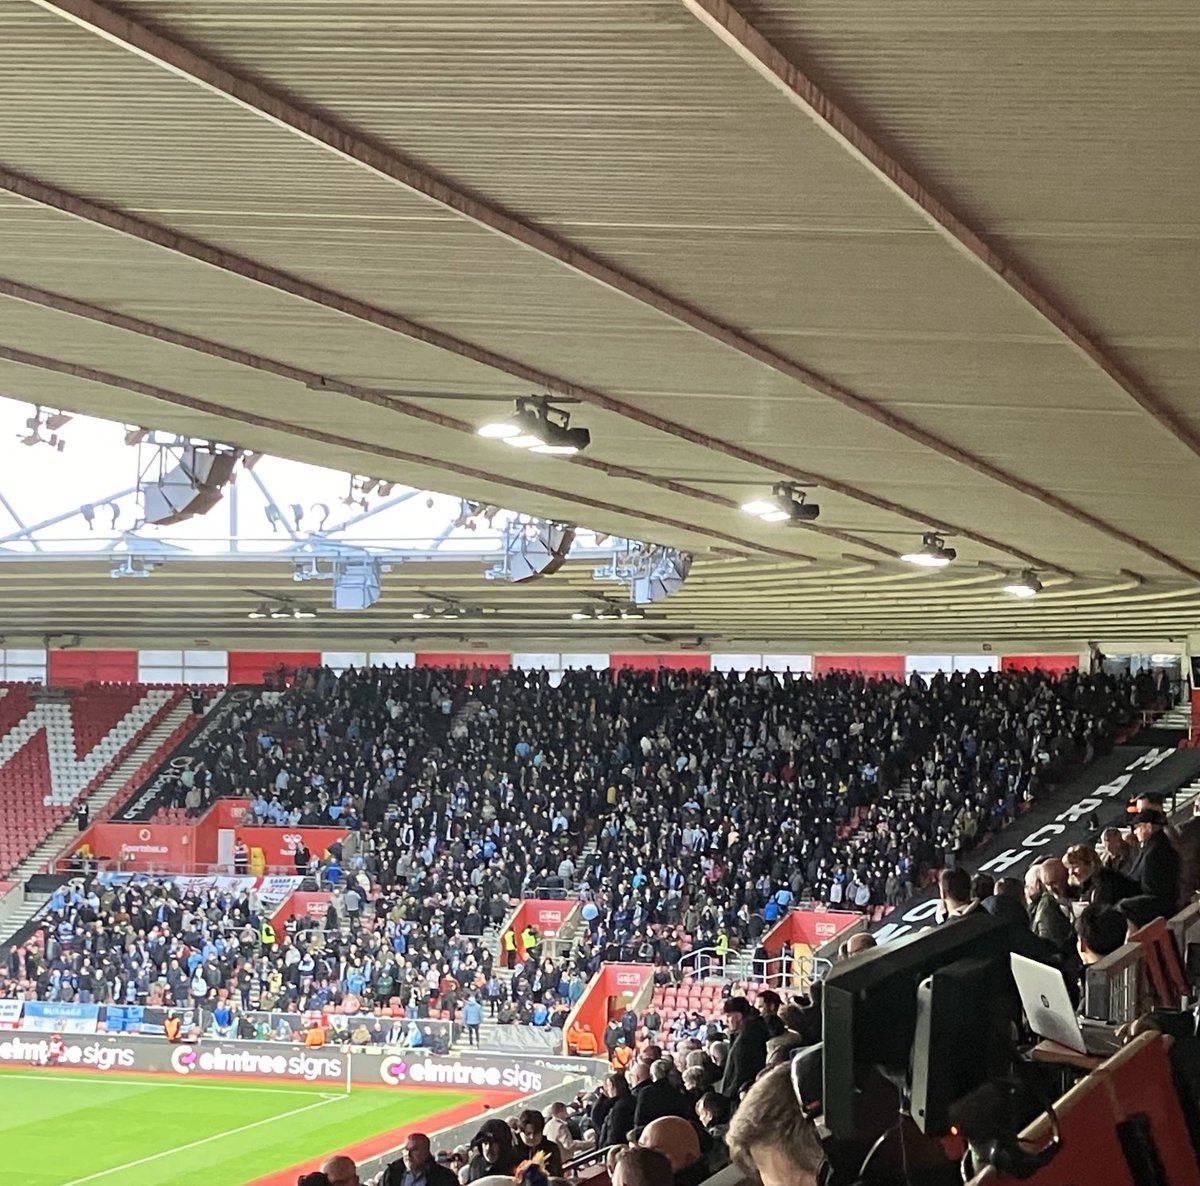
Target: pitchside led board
{"type": "Point", "coordinates": [1060, 819]}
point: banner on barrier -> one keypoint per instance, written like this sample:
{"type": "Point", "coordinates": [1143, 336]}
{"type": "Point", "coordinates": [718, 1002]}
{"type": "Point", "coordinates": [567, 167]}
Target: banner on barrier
{"type": "Point", "coordinates": [10, 1014]}
{"type": "Point", "coordinates": [58, 1016]}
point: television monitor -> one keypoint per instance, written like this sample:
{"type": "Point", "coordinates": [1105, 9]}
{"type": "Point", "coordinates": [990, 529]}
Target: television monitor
{"type": "Point", "coordinates": [870, 1018]}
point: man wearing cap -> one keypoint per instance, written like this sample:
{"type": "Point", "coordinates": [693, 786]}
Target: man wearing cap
{"type": "Point", "coordinates": [494, 1152]}
{"type": "Point", "coordinates": [1156, 867]}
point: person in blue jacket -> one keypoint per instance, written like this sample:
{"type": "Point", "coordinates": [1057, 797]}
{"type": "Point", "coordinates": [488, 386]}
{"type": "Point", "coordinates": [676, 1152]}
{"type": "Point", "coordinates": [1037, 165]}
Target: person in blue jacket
{"type": "Point", "coordinates": [472, 1016]}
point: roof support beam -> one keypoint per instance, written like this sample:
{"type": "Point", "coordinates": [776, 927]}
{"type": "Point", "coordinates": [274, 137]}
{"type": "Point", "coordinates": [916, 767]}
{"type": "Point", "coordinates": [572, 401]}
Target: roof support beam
{"type": "Point", "coordinates": [392, 402]}
{"type": "Point", "coordinates": [220, 411]}
{"type": "Point", "coordinates": [385, 163]}
{"type": "Point", "coordinates": [758, 52]}
{"type": "Point", "coordinates": [144, 231]}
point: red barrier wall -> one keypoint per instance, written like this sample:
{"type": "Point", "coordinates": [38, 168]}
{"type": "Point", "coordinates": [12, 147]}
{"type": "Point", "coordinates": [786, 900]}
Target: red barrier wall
{"type": "Point", "coordinates": [158, 846]}
{"type": "Point", "coordinates": [253, 667]}
{"type": "Point", "coordinates": [608, 992]}
{"type": "Point", "coordinates": [171, 848]}
{"type": "Point", "coordinates": [547, 916]}
{"type": "Point", "coordinates": [73, 669]}
{"type": "Point", "coordinates": [802, 931]}
{"type": "Point", "coordinates": [1051, 664]}
{"type": "Point", "coordinates": [871, 666]}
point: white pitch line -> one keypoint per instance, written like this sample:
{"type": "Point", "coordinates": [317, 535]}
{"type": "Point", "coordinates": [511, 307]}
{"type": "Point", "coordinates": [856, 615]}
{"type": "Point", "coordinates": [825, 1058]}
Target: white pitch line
{"type": "Point", "coordinates": [118, 1080]}
{"type": "Point", "coordinates": [217, 1136]}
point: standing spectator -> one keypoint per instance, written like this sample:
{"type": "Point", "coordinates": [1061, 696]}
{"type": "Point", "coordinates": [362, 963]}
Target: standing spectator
{"type": "Point", "coordinates": [241, 857]}
{"type": "Point", "coordinates": [618, 1117]}
{"type": "Point", "coordinates": [1157, 864]}
{"type": "Point", "coordinates": [472, 1016]}
{"type": "Point", "coordinates": [509, 943]}
{"type": "Point", "coordinates": [748, 1052]}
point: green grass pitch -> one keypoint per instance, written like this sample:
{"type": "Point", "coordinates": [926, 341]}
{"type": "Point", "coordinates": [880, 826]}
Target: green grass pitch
{"type": "Point", "coordinates": [64, 1129]}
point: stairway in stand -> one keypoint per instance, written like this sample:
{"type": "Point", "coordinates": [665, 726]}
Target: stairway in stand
{"type": "Point", "coordinates": [112, 786]}
{"type": "Point", "coordinates": [563, 942]}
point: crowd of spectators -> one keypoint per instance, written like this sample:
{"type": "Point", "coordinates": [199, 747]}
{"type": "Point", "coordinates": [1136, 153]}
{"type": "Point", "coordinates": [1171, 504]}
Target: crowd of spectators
{"type": "Point", "coordinates": [478, 785]}
{"type": "Point", "coordinates": [651, 795]}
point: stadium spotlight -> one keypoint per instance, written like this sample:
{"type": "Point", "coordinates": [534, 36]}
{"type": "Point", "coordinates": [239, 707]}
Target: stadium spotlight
{"type": "Point", "coordinates": [1023, 585]}
{"type": "Point", "coordinates": [539, 427]}
{"type": "Point", "coordinates": [786, 504]}
{"type": "Point", "coordinates": [932, 553]}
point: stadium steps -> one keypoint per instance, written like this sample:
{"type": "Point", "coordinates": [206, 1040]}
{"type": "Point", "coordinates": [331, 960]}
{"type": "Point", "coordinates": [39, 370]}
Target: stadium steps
{"type": "Point", "coordinates": [1177, 718]}
{"type": "Point", "coordinates": [113, 785]}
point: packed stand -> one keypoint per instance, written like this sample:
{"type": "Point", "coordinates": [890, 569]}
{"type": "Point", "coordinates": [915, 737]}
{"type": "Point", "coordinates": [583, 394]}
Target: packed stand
{"type": "Point", "coordinates": [462, 789]}
{"type": "Point", "coordinates": [480, 785]}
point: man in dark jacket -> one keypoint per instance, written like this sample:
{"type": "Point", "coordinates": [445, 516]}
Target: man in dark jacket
{"type": "Point", "coordinates": [1157, 865]}
{"type": "Point", "coordinates": [659, 1097]}
{"type": "Point", "coordinates": [748, 1051]}
{"type": "Point", "coordinates": [419, 1162]}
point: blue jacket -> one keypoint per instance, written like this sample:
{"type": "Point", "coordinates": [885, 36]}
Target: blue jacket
{"type": "Point", "coordinates": [472, 1013]}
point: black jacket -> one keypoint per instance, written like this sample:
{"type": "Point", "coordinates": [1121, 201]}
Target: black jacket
{"type": "Point", "coordinates": [618, 1122]}
{"type": "Point", "coordinates": [1157, 870]}
{"type": "Point", "coordinates": [1107, 887]}
{"type": "Point", "coordinates": [435, 1174]}
{"type": "Point", "coordinates": [655, 1100]}
{"type": "Point", "coordinates": [747, 1056]}
{"type": "Point", "coordinates": [478, 1168]}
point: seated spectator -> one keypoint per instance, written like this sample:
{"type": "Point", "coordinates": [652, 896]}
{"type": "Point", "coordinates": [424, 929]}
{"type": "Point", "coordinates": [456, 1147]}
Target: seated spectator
{"type": "Point", "coordinates": [636, 1166]}
{"type": "Point", "coordinates": [954, 893]}
{"type": "Point", "coordinates": [1100, 930]}
{"type": "Point", "coordinates": [417, 1165]}
{"type": "Point", "coordinates": [769, 1003]}
{"type": "Point", "coordinates": [531, 1128]}
{"type": "Point", "coordinates": [1115, 851]}
{"type": "Point", "coordinates": [713, 1113]}
{"type": "Point", "coordinates": [340, 1170]}
{"type": "Point", "coordinates": [1091, 882]}
{"type": "Point", "coordinates": [1049, 907]}
{"type": "Point", "coordinates": [771, 1139]}
{"type": "Point", "coordinates": [560, 1130]}
{"type": "Point", "coordinates": [495, 1153]}
{"type": "Point", "coordinates": [676, 1139]}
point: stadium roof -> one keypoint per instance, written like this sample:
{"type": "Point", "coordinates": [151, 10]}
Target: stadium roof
{"type": "Point", "coordinates": [940, 261]}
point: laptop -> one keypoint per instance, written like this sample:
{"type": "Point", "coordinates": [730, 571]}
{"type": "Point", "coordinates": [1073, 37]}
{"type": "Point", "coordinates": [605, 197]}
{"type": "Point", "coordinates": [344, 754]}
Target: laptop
{"type": "Point", "coordinates": [1048, 1007]}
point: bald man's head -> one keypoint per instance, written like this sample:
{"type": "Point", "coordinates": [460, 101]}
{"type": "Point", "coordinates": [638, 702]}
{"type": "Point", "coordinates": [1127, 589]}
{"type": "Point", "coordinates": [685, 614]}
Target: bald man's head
{"type": "Point", "coordinates": [860, 942]}
{"type": "Point", "coordinates": [1054, 875]}
{"type": "Point", "coordinates": [675, 1138]}
{"type": "Point", "coordinates": [340, 1171]}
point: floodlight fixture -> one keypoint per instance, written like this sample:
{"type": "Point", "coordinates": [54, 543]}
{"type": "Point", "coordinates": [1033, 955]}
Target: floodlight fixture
{"type": "Point", "coordinates": [540, 427]}
{"type": "Point", "coordinates": [932, 553]}
{"type": "Point", "coordinates": [1023, 585]}
{"type": "Point", "coordinates": [786, 504]}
